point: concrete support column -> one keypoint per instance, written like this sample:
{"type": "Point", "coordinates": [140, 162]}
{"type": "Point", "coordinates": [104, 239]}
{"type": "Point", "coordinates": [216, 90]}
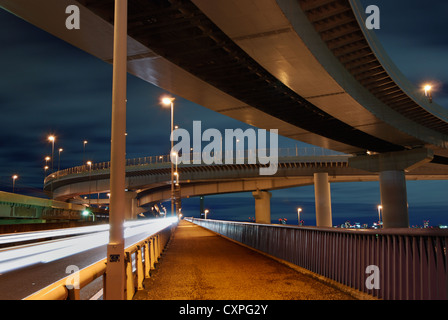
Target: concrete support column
{"type": "Point", "coordinates": [391, 168]}
{"type": "Point", "coordinates": [132, 210]}
{"type": "Point", "coordinates": [262, 206]}
{"type": "Point", "coordinates": [129, 205]}
{"type": "Point", "coordinates": [322, 195]}
{"type": "Point", "coordinates": [394, 199]}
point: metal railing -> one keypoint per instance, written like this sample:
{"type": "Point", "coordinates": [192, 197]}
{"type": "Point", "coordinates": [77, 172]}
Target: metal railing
{"type": "Point", "coordinates": [238, 156]}
{"type": "Point", "coordinates": [141, 259]}
{"type": "Point", "coordinates": [410, 264]}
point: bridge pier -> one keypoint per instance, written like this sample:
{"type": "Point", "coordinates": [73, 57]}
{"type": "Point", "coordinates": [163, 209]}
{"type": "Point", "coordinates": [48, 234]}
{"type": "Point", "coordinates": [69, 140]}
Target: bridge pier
{"type": "Point", "coordinates": [262, 206]}
{"type": "Point", "coordinates": [392, 168]}
{"type": "Point", "coordinates": [132, 210]}
{"type": "Point", "coordinates": [322, 194]}
{"type": "Point", "coordinates": [394, 199]}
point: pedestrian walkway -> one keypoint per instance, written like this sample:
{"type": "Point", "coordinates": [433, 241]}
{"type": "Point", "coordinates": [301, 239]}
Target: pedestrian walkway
{"type": "Point", "coordinates": [201, 265]}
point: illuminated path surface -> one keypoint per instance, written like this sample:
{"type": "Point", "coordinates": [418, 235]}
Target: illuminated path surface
{"type": "Point", "coordinates": [200, 265]}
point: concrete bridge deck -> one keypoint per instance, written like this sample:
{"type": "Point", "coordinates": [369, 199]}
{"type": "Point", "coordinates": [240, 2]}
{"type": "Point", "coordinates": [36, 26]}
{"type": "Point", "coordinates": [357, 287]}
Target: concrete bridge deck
{"type": "Point", "coordinates": [201, 265]}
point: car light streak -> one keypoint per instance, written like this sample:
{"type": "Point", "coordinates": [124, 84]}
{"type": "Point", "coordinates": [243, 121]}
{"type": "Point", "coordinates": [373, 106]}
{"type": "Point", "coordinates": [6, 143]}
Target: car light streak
{"type": "Point", "coordinates": [31, 236]}
{"type": "Point", "coordinates": [43, 252]}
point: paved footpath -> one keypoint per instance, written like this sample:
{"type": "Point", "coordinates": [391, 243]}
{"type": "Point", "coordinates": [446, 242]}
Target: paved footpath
{"type": "Point", "coordinates": [201, 265]}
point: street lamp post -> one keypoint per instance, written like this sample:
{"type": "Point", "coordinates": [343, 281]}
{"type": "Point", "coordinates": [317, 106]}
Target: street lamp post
{"type": "Point", "coordinates": [428, 89]}
{"type": "Point", "coordinates": [299, 210]}
{"type": "Point", "coordinates": [59, 159]}
{"type": "Point", "coordinates": [45, 175]}
{"type": "Point", "coordinates": [176, 155]}
{"type": "Point", "coordinates": [170, 102]}
{"type": "Point", "coordinates": [115, 267]}
{"type": "Point", "coordinates": [177, 185]}
{"type": "Point", "coordinates": [84, 151]}
{"type": "Point", "coordinates": [47, 158]}
{"type": "Point", "coordinates": [380, 207]}
{"type": "Point", "coordinates": [52, 139]}
{"type": "Point", "coordinates": [14, 178]}
{"type": "Point", "coordinates": [89, 163]}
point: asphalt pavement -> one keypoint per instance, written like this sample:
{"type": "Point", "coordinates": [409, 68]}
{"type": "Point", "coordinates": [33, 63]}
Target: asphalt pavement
{"type": "Point", "coordinates": [201, 265]}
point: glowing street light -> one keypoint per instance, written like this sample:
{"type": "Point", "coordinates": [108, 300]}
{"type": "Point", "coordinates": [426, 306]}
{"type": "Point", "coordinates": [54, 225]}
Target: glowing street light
{"type": "Point", "coordinates": [84, 150]}
{"type": "Point", "coordinates": [176, 173]}
{"type": "Point", "coordinates": [45, 174]}
{"type": "Point", "coordinates": [89, 163]}
{"type": "Point", "coordinates": [52, 139]}
{"type": "Point", "coordinates": [299, 210]}
{"type": "Point", "coordinates": [380, 207]}
{"type": "Point", "coordinates": [14, 178]}
{"type": "Point", "coordinates": [86, 213]}
{"type": "Point", "coordinates": [169, 102]}
{"type": "Point", "coordinates": [206, 212]}
{"type": "Point", "coordinates": [428, 89]}
{"type": "Point", "coordinates": [59, 158]}
{"type": "Point", "coordinates": [47, 158]}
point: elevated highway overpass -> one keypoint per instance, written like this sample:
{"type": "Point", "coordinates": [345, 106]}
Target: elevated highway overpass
{"type": "Point", "coordinates": [148, 179]}
{"type": "Point", "coordinates": [308, 68]}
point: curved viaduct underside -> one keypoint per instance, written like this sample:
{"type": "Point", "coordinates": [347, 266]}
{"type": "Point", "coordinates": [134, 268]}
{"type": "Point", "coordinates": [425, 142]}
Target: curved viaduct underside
{"type": "Point", "coordinates": [327, 81]}
{"type": "Point", "coordinates": [306, 67]}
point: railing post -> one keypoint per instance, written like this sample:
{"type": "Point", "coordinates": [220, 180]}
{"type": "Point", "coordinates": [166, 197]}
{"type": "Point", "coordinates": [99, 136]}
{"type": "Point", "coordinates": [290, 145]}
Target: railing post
{"type": "Point", "coordinates": [147, 259]}
{"type": "Point", "coordinates": [157, 245]}
{"type": "Point", "coordinates": [139, 265]}
{"type": "Point", "coordinates": [74, 293]}
{"type": "Point", "coordinates": [130, 289]}
{"type": "Point", "coordinates": [153, 253]}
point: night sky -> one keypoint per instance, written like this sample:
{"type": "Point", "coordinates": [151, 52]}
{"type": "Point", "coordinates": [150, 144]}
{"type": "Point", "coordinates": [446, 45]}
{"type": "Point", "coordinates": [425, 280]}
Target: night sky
{"type": "Point", "coordinates": [49, 87]}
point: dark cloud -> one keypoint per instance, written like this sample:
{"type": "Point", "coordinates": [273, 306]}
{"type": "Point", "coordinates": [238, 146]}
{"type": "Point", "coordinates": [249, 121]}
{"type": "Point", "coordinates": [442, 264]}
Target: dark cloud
{"type": "Point", "coordinates": [413, 35]}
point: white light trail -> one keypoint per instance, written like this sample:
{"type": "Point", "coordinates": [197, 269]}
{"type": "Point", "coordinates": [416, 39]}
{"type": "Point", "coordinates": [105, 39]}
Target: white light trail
{"type": "Point", "coordinates": [30, 236]}
{"type": "Point", "coordinates": [43, 252]}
